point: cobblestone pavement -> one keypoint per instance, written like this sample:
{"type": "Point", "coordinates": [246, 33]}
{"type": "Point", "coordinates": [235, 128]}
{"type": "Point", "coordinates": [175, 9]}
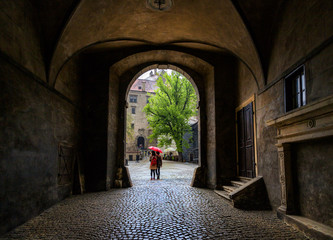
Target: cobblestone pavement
{"type": "Point", "coordinates": [159, 209]}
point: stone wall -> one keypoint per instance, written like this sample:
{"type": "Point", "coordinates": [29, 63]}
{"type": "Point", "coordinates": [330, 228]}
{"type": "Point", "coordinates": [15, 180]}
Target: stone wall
{"type": "Point", "coordinates": [246, 85]}
{"type": "Point", "coordinates": [303, 37]}
{"type": "Point", "coordinates": [300, 32]}
{"type": "Point", "coordinates": [69, 82]}
{"type": "Point", "coordinates": [20, 35]}
{"type": "Point", "coordinates": [313, 167]}
{"type": "Point", "coordinates": [34, 119]}
{"type": "Point", "coordinates": [95, 84]}
{"type": "Point", "coordinates": [269, 105]}
{"type": "Point", "coordinates": [319, 72]}
{"type": "Point", "coordinates": [225, 72]}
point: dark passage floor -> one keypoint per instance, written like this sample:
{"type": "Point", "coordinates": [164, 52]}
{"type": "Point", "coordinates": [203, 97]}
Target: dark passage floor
{"type": "Point", "coordinates": [160, 209]}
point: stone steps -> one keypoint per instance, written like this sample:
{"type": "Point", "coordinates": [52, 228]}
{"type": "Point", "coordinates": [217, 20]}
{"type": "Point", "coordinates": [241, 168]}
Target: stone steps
{"type": "Point", "coordinates": [237, 183]}
{"type": "Point", "coordinates": [229, 189]}
{"type": "Point", "coordinates": [244, 179]}
{"type": "Point", "coordinates": [223, 194]}
{"type": "Point", "coordinates": [225, 190]}
{"type": "Point", "coordinates": [239, 191]}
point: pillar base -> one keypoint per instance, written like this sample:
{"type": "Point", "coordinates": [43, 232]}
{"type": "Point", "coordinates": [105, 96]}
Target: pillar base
{"type": "Point", "coordinates": [123, 179]}
{"type": "Point", "coordinates": [199, 177]}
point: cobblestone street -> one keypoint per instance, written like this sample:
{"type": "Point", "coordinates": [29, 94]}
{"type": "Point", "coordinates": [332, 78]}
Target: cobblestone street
{"type": "Point", "coordinates": [159, 209]}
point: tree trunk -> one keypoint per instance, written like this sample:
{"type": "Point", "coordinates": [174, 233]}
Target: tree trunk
{"type": "Point", "coordinates": [180, 156]}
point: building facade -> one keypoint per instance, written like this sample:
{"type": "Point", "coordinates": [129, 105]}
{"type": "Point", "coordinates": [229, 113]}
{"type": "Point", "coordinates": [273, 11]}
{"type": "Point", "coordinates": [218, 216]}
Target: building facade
{"type": "Point", "coordinates": [138, 142]}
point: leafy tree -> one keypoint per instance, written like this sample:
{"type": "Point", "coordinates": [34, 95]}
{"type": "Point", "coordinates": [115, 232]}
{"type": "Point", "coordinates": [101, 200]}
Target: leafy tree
{"type": "Point", "coordinates": [169, 110]}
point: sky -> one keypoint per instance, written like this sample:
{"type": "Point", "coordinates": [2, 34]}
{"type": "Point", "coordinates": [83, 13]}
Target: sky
{"type": "Point", "coordinates": [146, 74]}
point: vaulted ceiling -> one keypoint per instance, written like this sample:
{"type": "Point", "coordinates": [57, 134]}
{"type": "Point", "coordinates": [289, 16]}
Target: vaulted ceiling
{"type": "Point", "coordinates": [243, 28]}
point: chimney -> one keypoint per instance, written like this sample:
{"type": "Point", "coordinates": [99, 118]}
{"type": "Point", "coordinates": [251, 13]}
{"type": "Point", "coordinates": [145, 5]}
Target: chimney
{"type": "Point", "coordinates": [143, 86]}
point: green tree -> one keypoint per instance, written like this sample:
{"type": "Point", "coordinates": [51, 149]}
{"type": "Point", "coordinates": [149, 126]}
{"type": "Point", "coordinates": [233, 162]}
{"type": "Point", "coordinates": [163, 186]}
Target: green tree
{"type": "Point", "coordinates": [169, 110]}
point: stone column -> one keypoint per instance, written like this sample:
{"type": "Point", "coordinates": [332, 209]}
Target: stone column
{"type": "Point", "coordinates": [111, 164]}
{"type": "Point", "coordinates": [287, 192]}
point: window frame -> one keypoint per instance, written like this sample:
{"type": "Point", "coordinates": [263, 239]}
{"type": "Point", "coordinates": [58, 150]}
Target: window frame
{"type": "Point", "coordinates": [133, 98]}
{"type": "Point", "coordinates": [295, 92]}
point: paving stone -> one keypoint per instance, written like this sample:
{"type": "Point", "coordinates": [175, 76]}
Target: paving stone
{"type": "Point", "coordinates": [162, 209]}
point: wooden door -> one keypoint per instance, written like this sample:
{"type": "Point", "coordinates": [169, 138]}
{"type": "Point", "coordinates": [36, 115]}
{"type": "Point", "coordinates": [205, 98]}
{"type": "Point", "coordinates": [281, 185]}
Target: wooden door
{"type": "Point", "coordinates": [246, 162]}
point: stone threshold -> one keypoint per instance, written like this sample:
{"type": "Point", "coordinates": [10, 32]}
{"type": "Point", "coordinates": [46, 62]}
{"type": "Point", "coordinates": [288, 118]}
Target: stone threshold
{"type": "Point", "coordinates": [308, 226]}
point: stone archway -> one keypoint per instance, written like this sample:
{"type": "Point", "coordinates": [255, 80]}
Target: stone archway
{"type": "Point", "coordinates": [140, 106]}
{"type": "Point", "coordinates": [165, 66]}
{"type": "Point", "coordinates": [122, 73]}
{"type": "Point", "coordinates": [219, 28]}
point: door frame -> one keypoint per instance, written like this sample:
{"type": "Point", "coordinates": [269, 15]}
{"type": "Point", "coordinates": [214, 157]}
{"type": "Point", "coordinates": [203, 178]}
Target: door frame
{"type": "Point", "coordinates": [244, 104]}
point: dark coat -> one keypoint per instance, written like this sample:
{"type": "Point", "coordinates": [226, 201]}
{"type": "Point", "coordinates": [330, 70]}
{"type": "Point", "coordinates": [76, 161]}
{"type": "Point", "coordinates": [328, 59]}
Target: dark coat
{"type": "Point", "coordinates": [159, 161]}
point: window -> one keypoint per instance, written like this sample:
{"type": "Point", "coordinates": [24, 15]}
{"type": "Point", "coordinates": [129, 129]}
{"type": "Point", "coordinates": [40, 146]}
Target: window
{"type": "Point", "coordinates": [139, 87]}
{"type": "Point", "coordinates": [132, 125]}
{"type": "Point", "coordinates": [133, 110]}
{"type": "Point", "coordinates": [133, 98]}
{"type": "Point", "coordinates": [147, 99]}
{"type": "Point", "coordinates": [295, 89]}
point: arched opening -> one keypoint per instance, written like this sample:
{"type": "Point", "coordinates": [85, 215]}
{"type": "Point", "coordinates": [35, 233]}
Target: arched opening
{"type": "Point", "coordinates": [122, 75]}
{"type": "Point", "coordinates": [178, 161]}
{"type": "Point", "coordinates": [141, 143]}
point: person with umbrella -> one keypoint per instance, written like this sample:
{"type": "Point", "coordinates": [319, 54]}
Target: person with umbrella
{"type": "Point", "coordinates": [153, 165]}
{"type": "Point", "coordinates": [153, 162]}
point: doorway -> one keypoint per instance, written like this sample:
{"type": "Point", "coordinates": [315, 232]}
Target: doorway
{"type": "Point", "coordinates": [245, 141]}
{"type": "Point", "coordinates": [141, 142]}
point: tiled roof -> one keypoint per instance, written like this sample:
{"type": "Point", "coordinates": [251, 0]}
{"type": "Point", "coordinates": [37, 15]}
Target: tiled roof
{"type": "Point", "coordinates": [149, 87]}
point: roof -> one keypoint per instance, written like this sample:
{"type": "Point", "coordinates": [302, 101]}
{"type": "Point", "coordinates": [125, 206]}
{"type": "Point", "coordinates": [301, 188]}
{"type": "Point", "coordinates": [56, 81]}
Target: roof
{"type": "Point", "coordinates": [150, 86]}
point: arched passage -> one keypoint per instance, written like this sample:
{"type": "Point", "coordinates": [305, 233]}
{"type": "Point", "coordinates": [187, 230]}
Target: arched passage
{"type": "Point", "coordinates": [137, 127]}
{"type": "Point", "coordinates": [121, 75]}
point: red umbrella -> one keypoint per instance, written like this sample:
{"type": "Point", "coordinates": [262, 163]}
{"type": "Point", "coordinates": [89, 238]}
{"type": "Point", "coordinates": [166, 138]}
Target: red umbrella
{"type": "Point", "coordinates": [156, 149]}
